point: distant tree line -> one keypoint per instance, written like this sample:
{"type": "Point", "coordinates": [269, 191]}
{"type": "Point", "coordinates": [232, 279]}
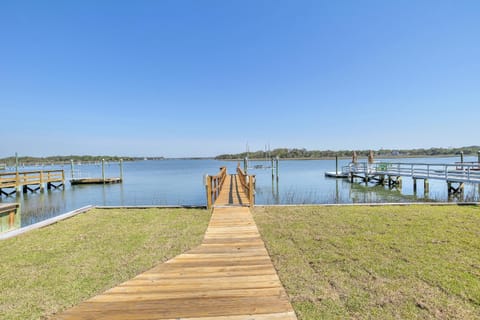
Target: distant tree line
{"type": "Point", "coordinates": [285, 153]}
{"type": "Point", "coordinates": [10, 161]}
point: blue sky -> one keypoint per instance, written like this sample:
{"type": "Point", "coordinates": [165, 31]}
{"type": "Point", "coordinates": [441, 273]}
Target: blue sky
{"type": "Point", "coordinates": [201, 78]}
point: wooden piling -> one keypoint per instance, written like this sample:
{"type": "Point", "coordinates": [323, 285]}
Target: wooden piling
{"type": "Point", "coordinates": [452, 190]}
{"type": "Point", "coordinates": [336, 165]}
{"type": "Point", "coordinates": [208, 190]}
{"type": "Point", "coordinates": [41, 182]}
{"type": "Point", "coordinates": [103, 170]}
{"type": "Point", "coordinates": [277, 162]}
{"type": "Point", "coordinates": [273, 169]}
{"type": "Point", "coordinates": [414, 185]}
{"type": "Point", "coordinates": [251, 190]}
{"type": "Point", "coordinates": [426, 186]}
{"type": "Point", "coordinates": [121, 169]}
{"type": "Point", "coordinates": [71, 169]}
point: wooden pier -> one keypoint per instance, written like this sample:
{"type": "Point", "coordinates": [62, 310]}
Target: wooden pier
{"type": "Point", "coordinates": [102, 180]}
{"type": "Point", "coordinates": [229, 276]}
{"type": "Point", "coordinates": [9, 217]}
{"type": "Point", "coordinates": [455, 175]}
{"type": "Point", "coordinates": [239, 188]}
{"type": "Point", "coordinates": [30, 181]}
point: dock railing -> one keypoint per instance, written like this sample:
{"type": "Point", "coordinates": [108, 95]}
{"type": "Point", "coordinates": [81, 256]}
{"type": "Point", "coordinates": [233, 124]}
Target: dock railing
{"type": "Point", "coordinates": [461, 165]}
{"type": "Point", "coordinates": [463, 172]}
{"type": "Point", "coordinates": [213, 186]}
{"type": "Point", "coordinates": [248, 184]}
{"type": "Point", "coordinates": [25, 178]}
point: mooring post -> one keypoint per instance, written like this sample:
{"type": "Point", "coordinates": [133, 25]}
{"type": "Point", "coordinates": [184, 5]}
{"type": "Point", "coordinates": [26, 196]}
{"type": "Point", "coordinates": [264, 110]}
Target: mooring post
{"type": "Point", "coordinates": [414, 185]}
{"type": "Point", "coordinates": [16, 163]}
{"type": "Point", "coordinates": [271, 164]}
{"type": "Point", "coordinates": [276, 166]}
{"type": "Point", "coordinates": [461, 157]}
{"type": "Point", "coordinates": [17, 179]}
{"type": "Point", "coordinates": [71, 168]}
{"type": "Point", "coordinates": [245, 164]}
{"type": "Point", "coordinates": [103, 170]}
{"type": "Point", "coordinates": [16, 170]}
{"type": "Point", "coordinates": [336, 165]}
{"type": "Point", "coordinates": [208, 190]}
{"type": "Point", "coordinates": [121, 170]}
{"type": "Point", "coordinates": [478, 158]}
{"type": "Point", "coordinates": [251, 190]}
{"type": "Point", "coordinates": [41, 181]}
{"type": "Point", "coordinates": [425, 186]}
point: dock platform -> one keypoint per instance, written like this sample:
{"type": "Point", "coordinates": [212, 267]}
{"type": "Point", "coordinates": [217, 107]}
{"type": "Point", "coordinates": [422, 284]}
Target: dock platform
{"type": "Point", "coordinates": [95, 181]}
{"type": "Point", "coordinates": [229, 276]}
{"type": "Point", "coordinates": [455, 175]}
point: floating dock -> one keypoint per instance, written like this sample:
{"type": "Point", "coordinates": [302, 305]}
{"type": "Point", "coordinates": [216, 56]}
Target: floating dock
{"type": "Point", "coordinates": [333, 174]}
{"type": "Point", "coordinates": [102, 180]}
{"type": "Point", "coordinates": [95, 181]}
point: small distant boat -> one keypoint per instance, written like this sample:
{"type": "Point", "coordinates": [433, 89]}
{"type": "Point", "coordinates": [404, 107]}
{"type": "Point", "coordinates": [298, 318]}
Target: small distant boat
{"type": "Point", "coordinates": [333, 174]}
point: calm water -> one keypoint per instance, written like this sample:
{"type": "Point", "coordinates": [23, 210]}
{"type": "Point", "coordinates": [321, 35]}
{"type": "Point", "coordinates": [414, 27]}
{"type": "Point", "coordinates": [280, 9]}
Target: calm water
{"type": "Point", "coordinates": [180, 182]}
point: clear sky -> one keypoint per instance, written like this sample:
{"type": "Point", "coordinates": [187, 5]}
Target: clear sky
{"type": "Point", "coordinates": [200, 78]}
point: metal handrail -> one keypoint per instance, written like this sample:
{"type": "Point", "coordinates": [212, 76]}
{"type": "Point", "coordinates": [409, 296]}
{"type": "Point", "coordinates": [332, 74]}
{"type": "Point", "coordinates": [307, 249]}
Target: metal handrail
{"type": "Point", "coordinates": [441, 171]}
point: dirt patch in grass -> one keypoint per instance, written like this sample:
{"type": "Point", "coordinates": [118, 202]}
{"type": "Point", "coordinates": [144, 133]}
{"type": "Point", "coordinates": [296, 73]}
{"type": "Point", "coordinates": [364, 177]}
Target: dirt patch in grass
{"type": "Point", "coordinates": [392, 262]}
{"type": "Point", "coordinates": [48, 270]}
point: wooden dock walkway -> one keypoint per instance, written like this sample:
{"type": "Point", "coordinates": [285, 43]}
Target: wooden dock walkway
{"type": "Point", "coordinates": [229, 276]}
{"type": "Point", "coordinates": [232, 193]}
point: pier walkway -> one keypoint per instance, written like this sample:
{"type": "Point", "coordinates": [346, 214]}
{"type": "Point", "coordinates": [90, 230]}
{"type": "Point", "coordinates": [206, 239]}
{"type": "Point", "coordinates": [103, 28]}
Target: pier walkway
{"type": "Point", "coordinates": [455, 175]}
{"type": "Point", "coordinates": [229, 276]}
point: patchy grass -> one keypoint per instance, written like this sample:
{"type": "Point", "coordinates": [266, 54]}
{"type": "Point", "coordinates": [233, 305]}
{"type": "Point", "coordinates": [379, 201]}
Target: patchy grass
{"type": "Point", "coordinates": [48, 270]}
{"type": "Point", "coordinates": [389, 262]}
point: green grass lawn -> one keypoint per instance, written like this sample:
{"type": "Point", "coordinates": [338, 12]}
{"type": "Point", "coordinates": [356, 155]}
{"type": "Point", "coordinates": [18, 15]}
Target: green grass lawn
{"type": "Point", "coordinates": [391, 262]}
{"type": "Point", "coordinates": [50, 269]}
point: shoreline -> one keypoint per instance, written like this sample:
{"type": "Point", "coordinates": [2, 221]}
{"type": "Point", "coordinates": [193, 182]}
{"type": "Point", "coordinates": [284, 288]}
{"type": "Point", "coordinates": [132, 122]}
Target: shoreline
{"type": "Point", "coordinates": [346, 158]}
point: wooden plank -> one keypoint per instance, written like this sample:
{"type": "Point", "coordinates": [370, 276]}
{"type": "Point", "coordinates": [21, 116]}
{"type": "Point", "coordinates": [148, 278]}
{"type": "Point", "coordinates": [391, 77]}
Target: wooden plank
{"type": "Point", "coordinates": [180, 308]}
{"type": "Point", "coordinates": [229, 276]}
{"type": "Point", "coordinates": [7, 207]}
